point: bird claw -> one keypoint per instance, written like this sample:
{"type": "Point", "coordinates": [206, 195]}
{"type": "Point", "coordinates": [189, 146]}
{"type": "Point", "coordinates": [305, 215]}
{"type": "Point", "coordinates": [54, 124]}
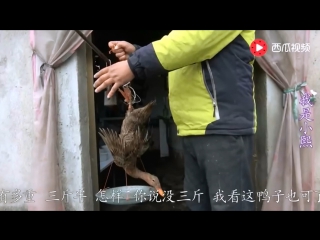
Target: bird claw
{"type": "Point", "coordinates": [126, 93]}
{"type": "Point", "coordinates": [123, 94]}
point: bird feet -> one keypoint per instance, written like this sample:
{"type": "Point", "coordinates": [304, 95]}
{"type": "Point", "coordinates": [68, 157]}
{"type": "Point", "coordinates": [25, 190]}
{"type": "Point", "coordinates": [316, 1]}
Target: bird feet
{"type": "Point", "coordinates": [126, 93]}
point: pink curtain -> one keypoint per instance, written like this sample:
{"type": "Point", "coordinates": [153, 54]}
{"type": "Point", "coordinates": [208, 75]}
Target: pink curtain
{"type": "Point", "coordinates": [292, 169]}
{"type": "Point", "coordinates": [53, 48]}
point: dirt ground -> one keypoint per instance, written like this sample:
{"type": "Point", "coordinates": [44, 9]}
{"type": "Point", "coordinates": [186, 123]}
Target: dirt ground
{"type": "Point", "coordinates": [170, 175]}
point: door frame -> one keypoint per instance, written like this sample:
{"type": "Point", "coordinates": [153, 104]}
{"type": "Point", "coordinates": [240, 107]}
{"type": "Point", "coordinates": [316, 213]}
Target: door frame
{"type": "Point", "coordinates": [92, 126]}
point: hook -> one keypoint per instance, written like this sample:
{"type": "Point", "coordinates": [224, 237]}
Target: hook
{"type": "Point", "coordinates": [126, 84]}
{"type": "Point", "coordinates": [135, 96]}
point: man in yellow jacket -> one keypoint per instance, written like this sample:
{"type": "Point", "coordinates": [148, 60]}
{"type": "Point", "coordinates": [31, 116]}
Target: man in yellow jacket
{"type": "Point", "coordinates": [211, 96]}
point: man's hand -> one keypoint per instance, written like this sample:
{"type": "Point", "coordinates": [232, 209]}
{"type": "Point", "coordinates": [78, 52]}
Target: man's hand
{"type": "Point", "coordinates": [117, 74]}
{"type": "Point", "coordinates": [121, 49]}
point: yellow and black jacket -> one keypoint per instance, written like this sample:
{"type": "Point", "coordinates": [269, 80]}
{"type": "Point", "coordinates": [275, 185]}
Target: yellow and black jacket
{"type": "Point", "coordinates": [211, 88]}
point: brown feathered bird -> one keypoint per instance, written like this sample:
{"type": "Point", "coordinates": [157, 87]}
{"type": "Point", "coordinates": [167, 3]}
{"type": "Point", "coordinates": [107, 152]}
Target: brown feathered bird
{"type": "Point", "coordinates": [132, 142]}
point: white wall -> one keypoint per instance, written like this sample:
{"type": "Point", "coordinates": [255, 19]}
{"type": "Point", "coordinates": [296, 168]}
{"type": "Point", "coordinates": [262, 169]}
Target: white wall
{"type": "Point", "coordinates": [73, 129]}
{"type": "Point", "coordinates": [314, 83]}
{"type": "Point", "coordinates": [16, 114]}
{"type": "Point", "coordinates": [16, 121]}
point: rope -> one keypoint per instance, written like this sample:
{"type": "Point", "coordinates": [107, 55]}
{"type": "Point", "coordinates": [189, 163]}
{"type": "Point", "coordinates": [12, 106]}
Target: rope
{"type": "Point", "coordinates": [135, 96]}
{"type": "Point", "coordinates": [105, 184]}
{"type": "Point", "coordinates": [294, 90]}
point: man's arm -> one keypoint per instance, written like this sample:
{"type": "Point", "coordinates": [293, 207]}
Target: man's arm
{"type": "Point", "coordinates": [179, 49]}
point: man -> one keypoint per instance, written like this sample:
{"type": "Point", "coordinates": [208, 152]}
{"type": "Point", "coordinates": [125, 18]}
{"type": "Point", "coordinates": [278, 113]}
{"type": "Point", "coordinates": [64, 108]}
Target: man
{"type": "Point", "coordinates": [211, 95]}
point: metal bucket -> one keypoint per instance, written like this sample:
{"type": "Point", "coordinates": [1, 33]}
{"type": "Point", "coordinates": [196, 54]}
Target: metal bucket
{"type": "Point", "coordinates": [126, 195]}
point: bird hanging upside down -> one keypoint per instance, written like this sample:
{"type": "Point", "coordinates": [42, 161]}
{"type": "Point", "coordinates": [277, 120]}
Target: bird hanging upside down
{"type": "Point", "coordinates": [132, 142]}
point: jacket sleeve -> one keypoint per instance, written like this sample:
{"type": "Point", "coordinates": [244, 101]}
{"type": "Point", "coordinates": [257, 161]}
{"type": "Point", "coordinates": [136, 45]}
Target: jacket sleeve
{"type": "Point", "coordinates": [179, 49]}
{"type": "Point", "coordinates": [137, 47]}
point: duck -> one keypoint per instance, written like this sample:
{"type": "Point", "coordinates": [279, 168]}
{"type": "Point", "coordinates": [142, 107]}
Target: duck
{"type": "Point", "coordinates": [132, 142]}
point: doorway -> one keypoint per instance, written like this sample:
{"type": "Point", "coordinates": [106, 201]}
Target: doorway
{"type": "Point", "coordinates": [163, 158]}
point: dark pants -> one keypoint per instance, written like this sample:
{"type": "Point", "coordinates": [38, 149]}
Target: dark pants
{"type": "Point", "coordinates": [218, 168]}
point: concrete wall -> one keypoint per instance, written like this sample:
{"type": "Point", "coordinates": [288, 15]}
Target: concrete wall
{"type": "Point", "coordinates": [16, 114]}
{"type": "Point", "coordinates": [73, 129]}
{"type": "Point", "coordinates": [16, 121]}
{"type": "Point", "coordinates": [314, 83]}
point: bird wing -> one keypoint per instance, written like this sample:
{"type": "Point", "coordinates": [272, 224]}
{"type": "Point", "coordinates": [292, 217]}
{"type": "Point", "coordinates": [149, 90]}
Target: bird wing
{"type": "Point", "coordinates": [136, 141]}
{"type": "Point", "coordinates": [114, 143]}
{"type": "Point", "coordinates": [132, 148]}
{"type": "Point", "coordinates": [145, 141]}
